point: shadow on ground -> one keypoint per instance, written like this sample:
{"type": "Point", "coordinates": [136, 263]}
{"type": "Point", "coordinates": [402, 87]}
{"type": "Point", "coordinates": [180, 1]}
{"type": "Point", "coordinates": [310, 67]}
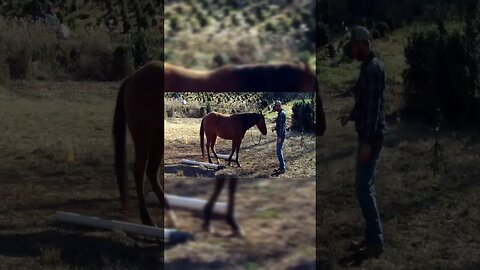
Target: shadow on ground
{"type": "Point", "coordinates": [82, 251]}
{"type": "Point", "coordinates": [189, 171]}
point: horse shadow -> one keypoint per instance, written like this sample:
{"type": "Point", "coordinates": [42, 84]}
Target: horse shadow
{"type": "Point", "coordinates": [189, 171]}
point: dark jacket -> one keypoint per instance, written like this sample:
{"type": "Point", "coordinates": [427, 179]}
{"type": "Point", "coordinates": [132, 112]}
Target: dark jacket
{"type": "Point", "coordinates": [369, 110]}
{"type": "Point", "coordinates": [281, 124]}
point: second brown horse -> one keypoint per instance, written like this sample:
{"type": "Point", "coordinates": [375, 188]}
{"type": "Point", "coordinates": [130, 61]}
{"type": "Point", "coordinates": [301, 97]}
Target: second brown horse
{"type": "Point", "coordinates": [228, 127]}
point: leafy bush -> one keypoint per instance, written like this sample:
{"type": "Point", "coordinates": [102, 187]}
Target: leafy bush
{"type": "Point", "coordinates": [122, 63]}
{"type": "Point", "coordinates": [95, 56]}
{"type": "Point", "coordinates": [382, 28]}
{"type": "Point", "coordinates": [442, 75]}
{"type": "Point", "coordinates": [20, 65]}
{"type": "Point", "coordinates": [375, 34]}
{"type": "Point", "coordinates": [322, 34]}
{"type": "Point", "coordinates": [303, 117]}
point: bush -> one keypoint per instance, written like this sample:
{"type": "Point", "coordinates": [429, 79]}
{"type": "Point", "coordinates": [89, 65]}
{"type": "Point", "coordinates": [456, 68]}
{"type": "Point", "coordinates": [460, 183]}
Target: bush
{"type": "Point", "coordinates": [322, 34]}
{"type": "Point", "coordinates": [140, 49]}
{"type": "Point", "coordinates": [439, 77]}
{"type": "Point", "coordinates": [20, 65]}
{"type": "Point", "coordinates": [94, 56]}
{"type": "Point", "coordinates": [122, 65]}
{"type": "Point", "coordinates": [21, 43]}
{"type": "Point", "coordinates": [375, 34]}
{"type": "Point", "coordinates": [303, 117]}
{"type": "Point", "coordinates": [219, 60]}
{"type": "Point", "coordinates": [382, 28]}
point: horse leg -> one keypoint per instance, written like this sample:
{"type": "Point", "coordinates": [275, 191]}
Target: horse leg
{"type": "Point", "coordinates": [238, 152]}
{"type": "Point", "coordinates": [154, 160]}
{"type": "Point", "coordinates": [212, 145]}
{"type": "Point", "coordinates": [139, 173]}
{"type": "Point", "coordinates": [208, 148]}
{"type": "Point", "coordinates": [207, 210]}
{"type": "Point", "coordinates": [231, 154]}
{"type": "Point", "coordinates": [230, 218]}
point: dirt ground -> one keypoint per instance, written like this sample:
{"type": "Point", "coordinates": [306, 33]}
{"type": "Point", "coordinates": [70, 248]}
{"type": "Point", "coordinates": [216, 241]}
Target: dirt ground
{"type": "Point", "coordinates": [182, 141]}
{"type": "Point", "coordinates": [57, 155]}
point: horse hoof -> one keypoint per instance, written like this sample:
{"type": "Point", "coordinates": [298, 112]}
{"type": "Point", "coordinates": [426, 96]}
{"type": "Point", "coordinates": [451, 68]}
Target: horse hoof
{"type": "Point", "coordinates": [208, 229]}
{"type": "Point", "coordinates": [237, 233]}
{"type": "Point", "coordinates": [171, 224]}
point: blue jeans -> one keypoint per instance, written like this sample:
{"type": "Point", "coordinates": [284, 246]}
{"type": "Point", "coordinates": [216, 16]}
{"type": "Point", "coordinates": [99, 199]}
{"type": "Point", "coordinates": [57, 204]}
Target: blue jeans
{"type": "Point", "coordinates": [281, 161]}
{"type": "Point", "coordinates": [364, 185]}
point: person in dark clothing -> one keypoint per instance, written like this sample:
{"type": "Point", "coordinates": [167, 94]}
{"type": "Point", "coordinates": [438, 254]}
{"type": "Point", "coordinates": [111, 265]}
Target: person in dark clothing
{"type": "Point", "coordinates": [280, 128]}
{"type": "Point", "coordinates": [369, 117]}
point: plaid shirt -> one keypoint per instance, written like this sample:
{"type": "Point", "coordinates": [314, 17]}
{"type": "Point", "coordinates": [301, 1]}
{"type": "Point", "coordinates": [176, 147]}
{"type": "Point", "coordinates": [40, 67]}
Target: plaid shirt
{"type": "Point", "coordinates": [369, 111]}
{"type": "Point", "coordinates": [280, 126]}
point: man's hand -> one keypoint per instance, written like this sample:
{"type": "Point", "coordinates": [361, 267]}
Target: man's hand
{"type": "Point", "coordinates": [365, 153]}
{"type": "Point", "coordinates": [344, 119]}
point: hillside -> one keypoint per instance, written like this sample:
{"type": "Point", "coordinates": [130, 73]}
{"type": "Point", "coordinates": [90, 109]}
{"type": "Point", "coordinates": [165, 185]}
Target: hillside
{"type": "Point", "coordinates": [197, 34]}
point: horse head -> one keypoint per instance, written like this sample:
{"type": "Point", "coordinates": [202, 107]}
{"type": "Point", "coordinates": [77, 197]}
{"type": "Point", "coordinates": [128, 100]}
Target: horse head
{"type": "Point", "coordinates": [261, 125]}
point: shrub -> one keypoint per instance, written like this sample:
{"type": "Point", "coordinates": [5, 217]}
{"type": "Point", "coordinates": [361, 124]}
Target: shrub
{"type": "Point", "coordinates": [322, 34]}
{"type": "Point", "coordinates": [140, 48]}
{"type": "Point", "coordinates": [303, 117]}
{"type": "Point", "coordinates": [375, 34]}
{"type": "Point", "coordinates": [22, 42]}
{"type": "Point", "coordinates": [122, 65]}
{"type": "Point", "coordinates": [219, 60]}
{"type": "Point", "coordinates": [382, 28]}
{"type": "Point", "coordinates": [20, 65]}
{"type": "Point", "coordinates": [440, 76]}
{"type": "Point", "coordinates": [94, 55]}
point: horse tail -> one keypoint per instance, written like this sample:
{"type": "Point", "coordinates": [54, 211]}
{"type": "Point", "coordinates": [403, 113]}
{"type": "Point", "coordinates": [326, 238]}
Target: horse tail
{"type": "Point", "coordinates": [119, 136]}
{"type": "Point", "coordinates": [321, 125]}
{"type": "Point", "coordinates": [202, 145]}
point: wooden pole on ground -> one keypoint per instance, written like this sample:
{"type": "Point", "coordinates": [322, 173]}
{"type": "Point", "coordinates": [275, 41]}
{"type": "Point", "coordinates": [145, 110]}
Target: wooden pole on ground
{"type": "Point", "coordinates": [199, 163]}
{"type": "Point", "coordinates": [193, 204]}
{"type": "Point", "coordinates": [169, 235]}
{"type": "Point", "coordinates": [222, 156]}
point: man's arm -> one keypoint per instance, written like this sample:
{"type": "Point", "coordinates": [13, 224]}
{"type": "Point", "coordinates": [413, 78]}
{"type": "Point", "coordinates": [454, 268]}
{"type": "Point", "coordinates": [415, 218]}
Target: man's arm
{"type": "Point", "coordinates": [281, 124]}
{"type": "Point", "coordinates": [374, 95]}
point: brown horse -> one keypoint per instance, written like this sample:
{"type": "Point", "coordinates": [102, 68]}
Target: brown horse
{"type": "Point", "coordinates": [228, 127]}
{"type": "Point", "coordinates": [139, 106]}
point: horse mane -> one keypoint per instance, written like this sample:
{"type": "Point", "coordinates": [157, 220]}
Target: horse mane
{"type": "Point", "coordinates": [248, 120]}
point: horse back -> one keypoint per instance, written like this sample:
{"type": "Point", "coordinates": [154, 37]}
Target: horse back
{"type": "Point", "coordinates": [225, 126]}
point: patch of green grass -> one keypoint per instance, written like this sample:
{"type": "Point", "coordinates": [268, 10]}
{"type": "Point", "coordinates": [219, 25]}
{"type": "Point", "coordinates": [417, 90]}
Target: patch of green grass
{"type": "Point", "coordinates": [268, 213]}
{"type": "Point", "coordinates": [250, 266]}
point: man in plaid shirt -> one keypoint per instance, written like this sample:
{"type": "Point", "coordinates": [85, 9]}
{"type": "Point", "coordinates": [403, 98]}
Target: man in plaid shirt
{"type": "Point", "coordinates": [280, 128]}
{"type": "Point", "coordinates": [369, 117]}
